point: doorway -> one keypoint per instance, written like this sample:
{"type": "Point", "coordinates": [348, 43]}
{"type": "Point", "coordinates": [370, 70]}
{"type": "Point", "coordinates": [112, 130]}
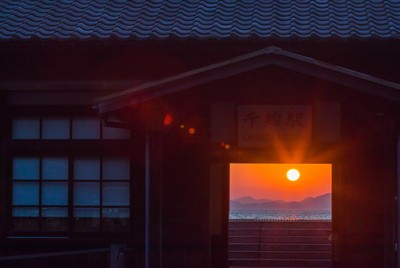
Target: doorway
{"type": "Point", "coordinates": [280, 215]}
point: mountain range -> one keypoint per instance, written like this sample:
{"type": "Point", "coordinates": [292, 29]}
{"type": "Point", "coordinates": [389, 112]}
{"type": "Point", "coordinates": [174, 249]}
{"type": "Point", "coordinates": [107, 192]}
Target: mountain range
{"type": "Point", "coordinates": [321, 202]}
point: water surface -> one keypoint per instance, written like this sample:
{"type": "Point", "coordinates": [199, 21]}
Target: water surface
{"type": "Point", "coordinates": [294, 215]}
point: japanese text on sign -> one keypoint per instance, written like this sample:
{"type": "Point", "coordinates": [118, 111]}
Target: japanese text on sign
{"type": "Point", "coordinates": [259, 124]}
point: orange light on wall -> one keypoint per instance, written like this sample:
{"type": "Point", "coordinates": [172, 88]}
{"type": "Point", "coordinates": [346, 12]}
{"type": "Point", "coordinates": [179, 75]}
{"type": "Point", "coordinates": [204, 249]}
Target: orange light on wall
{"type": "Point", "coordinates": [191, 131]}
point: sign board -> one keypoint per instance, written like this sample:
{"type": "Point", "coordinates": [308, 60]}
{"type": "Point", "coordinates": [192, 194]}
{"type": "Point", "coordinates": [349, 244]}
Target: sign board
{"type": "Point", "coordinates": [263, 125]}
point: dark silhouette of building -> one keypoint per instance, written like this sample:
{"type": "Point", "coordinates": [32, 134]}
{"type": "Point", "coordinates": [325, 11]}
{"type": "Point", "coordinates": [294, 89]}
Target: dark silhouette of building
{"type": "Point", "coordinates": [119, 120]}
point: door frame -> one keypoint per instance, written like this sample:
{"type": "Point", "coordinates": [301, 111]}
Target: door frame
{"type": "Point", "coordinates": [219, 243]}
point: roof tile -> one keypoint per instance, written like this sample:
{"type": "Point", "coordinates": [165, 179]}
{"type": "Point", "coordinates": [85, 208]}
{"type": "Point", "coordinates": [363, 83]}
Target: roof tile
{"type": "Point", "coordinates": [160, 19]}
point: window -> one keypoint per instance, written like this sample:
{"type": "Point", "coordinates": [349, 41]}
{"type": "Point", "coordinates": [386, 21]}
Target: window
{"type": "Point", "coordinates": [64, 128]}
{"type": "Point", "coordinates": [64, 187]}
{"type": "Point", "coordinates": [85, 128]}
{"type": "Point", "coordinates": [101, 193]}
{"type": "Point", "coordinates": [40, 191]}
{"type": "Point", "coordinates": [99, 198]}
{"type": "Point", "coordinates": [55, 128]}
{"type": "Point", "coordinates": [26, 128]}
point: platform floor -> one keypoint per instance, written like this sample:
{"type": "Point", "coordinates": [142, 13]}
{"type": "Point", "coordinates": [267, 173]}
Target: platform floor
{"type": "Point", "coordinates": [267, 244]}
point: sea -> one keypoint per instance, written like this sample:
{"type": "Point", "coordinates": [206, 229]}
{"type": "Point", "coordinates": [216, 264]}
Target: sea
{"type": "Point", "coordinates": [281, 215]}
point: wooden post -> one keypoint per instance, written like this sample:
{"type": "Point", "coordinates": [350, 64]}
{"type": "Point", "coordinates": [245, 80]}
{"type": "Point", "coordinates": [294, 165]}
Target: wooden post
{"type": "Point", "coordinates": [153, 199]}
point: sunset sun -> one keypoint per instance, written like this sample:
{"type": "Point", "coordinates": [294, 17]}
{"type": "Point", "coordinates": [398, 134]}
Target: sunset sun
{"type": "Point", "coordinates": [293, 174]}
{"type": "Point", "coordinates": [288, 182]}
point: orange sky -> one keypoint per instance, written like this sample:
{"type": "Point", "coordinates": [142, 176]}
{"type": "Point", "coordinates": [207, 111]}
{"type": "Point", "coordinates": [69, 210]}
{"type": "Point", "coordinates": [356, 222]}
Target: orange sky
{"type": "Point", "coordinates": [270, 181]}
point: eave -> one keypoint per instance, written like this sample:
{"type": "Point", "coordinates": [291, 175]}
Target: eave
{"type": "Point", "coordinates": [270, 56]}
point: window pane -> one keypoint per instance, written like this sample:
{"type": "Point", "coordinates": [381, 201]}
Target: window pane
{"type": "Point", "coordinates": [25, 219]}
{"type": "Point", "coordinates": [25, 212]}
{"type": "Point", "coordinates": [26, 193]}
{"type": "Point", "coordinates": [54, 219]}
{"type": "Point", "coordinates": [60, 212]}
{"type": "Point", "coordinates": [113, 133]}
{"type": "Point", "coordinates": [116, 193]}
{"type": "Point", "coordinates": [26, 128]}
{"type": "Point", "coordinates": [55, 128]}
{"type": "Point", "coordinates": [87, 213]}
{"type": "Point", "coordinates": [86, 193]}
{"type": "Point", "coordinates": [26, 168]}
{"type": "Point", "coordinates": [86, 128]}
{"type": "Point", "coordinates": [116, 168]}
{"type": "Point", "coordinates": [54, 193]}
{"type": "Point", "coordinates": [86, 219]}
{"type": "Point", "coordinates": [115, 219]}
{"type": "Point", "coordinates": [55, 168]}
{"type": "Point", "coordinates": [116, 213]}
{"type": "Point", "coordinates": [87, 169]}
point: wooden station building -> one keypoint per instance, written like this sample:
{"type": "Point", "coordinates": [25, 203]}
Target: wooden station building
{"type": "Point", "coordinates": [120, 118]}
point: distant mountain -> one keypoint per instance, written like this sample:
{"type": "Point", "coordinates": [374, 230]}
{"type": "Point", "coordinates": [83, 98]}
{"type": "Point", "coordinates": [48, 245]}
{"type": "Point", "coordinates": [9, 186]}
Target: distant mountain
{"type": "Point", "coordinates": [322, 202]}
{"type": "Point", "coordinates": [252, 200]}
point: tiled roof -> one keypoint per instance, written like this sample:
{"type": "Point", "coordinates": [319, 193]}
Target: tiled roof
{"type": "Point", "coordinates": [160, 19]}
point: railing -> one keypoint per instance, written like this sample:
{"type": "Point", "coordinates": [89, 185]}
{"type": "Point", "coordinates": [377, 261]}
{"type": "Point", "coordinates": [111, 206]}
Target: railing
{"type": "Point", "coordinates": [280, 243]}
{"type": "Point", "coordinates": [115, 254]}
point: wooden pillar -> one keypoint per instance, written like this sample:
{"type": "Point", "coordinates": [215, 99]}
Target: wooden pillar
{"type": "Point", "coordinates": [219, 213]}
{"type": "Point", "coordinates": [138, 197]}
{"type": "Point", "coordinates": [5, 136]}
{"type": "Point", "coordinates": [153, 184]}
{"type": "Point", "coordinates": [390, 224]}
{"type": "Point", "coordinates": [397, 218]}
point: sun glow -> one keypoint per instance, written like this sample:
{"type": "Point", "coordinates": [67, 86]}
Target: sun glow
{"type": "Point", "coordinates": [293, 174]}
{"type": "Point", "coordinates": [269, 180]}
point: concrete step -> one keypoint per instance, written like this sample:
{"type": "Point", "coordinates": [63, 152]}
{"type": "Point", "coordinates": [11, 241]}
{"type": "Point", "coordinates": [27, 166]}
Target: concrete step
{"type": "Point", "coordinates": [281, 232]}
{"type": "Point", "coordinates": [267, 267]}
{"type": "Point", "coordinates": [278, 247]}
{"type": "Point", "coordinates": [296, 232]}
{"type": "Point", "coordinates": [280, 244]}
{"type": "Point", "coordinates": [280, 263]}
{"type": "Point", "coordinates": [294, 247]}
{"type": "Point", "coordinates": [244, 231]}
{"type": "Point", "coordinates": [280, 239]}
{"type": "Point", "coordinates": [292, 255]}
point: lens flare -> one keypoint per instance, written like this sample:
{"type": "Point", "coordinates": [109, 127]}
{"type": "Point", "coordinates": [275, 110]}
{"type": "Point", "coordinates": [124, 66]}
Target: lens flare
{"type": "Point", "coordinates": [168, 119]}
